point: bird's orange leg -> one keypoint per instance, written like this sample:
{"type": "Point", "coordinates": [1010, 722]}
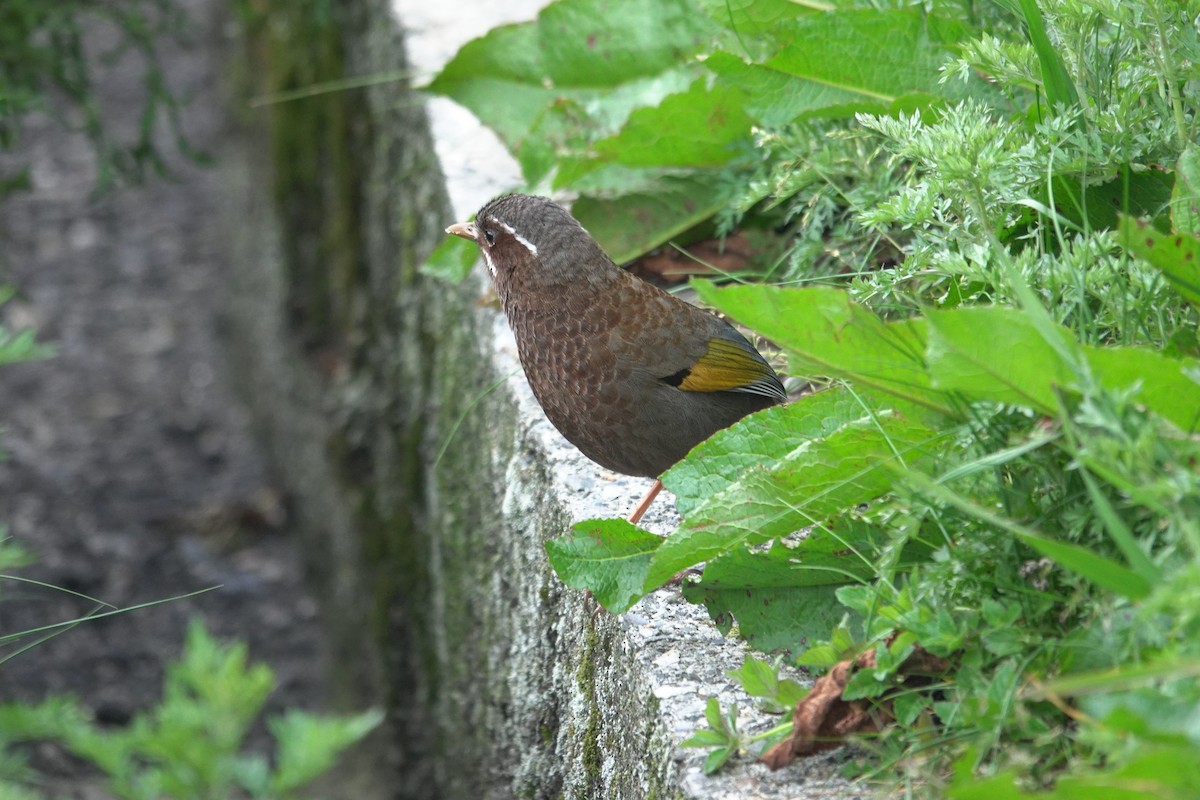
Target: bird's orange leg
{"type": "Point", "coordinates": [646, 501]}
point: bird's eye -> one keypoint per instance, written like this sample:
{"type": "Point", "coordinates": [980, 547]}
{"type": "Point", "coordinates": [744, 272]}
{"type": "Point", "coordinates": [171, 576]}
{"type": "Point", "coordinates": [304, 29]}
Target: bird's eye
{"type": "Point", "coordinates": [490, 235]}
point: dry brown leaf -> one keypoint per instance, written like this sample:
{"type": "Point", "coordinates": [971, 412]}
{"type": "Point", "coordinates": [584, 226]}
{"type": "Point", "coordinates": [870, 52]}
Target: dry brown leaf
{"type": "Point", "coordinates": [669, 265]}
{"type": "Point", "coordinates": [822, 719]}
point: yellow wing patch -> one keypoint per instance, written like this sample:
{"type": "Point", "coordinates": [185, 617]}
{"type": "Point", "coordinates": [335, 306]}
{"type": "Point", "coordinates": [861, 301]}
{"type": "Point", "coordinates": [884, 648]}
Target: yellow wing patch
{"type": "Point", "coordinates": [726, 366]}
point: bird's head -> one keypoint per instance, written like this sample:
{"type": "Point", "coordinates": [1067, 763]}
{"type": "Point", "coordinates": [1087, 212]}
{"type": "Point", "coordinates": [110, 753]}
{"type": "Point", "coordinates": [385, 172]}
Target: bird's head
{"type": "Point", "coordinates": [532, 243]}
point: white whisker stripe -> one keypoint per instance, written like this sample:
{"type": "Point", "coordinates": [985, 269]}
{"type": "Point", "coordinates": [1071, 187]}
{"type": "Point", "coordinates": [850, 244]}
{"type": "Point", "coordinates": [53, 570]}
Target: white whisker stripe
{"type": "Point", "coordinates": [530, 246]}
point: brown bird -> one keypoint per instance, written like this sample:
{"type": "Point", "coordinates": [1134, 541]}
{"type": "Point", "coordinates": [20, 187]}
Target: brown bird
{"type": "Point", "coordinates": [631, 375]}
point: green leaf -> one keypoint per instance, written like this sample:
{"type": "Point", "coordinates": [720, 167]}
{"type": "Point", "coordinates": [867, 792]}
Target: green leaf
{"type": "Point", "coordinates": [705, 737]}
{"type": "Point", "coordinates": [781, 599]}
{"type": "Point", "coordinates": [775, 98]}
{"type": "Point", "coordinates": [765, 438]}
{"type": "Point", "coordinates": [607, 557]}
{"type": "Point", "coordinates": [997, 353]}
{"type": "Point", "coordinates": [994, 353]}
{"type": "Point", "coordinates": [636, 222]}
{"type": "Point", "coordinates": [1185, 195]}
{"type": "Point", "coordinates": [695, 128]}
{"type": "Point", "coordinates": [1097, 206]}
{"type": "Point", "coordinates": [826, 334]}
{"type": "Point", "coordinates": [547, 87]}
{"type": "Point", "coordinates": [500, 78]}
{"type": "Point", "coordinates": [717, 758]}
{"type": "Point", "coordinates": [721, 733]}
{"type": "Point", "coordinates": [908, 706]}
{"type": "Point", "coordinates": [816, 480]}
{"type": "Point", "coordinates": [1176, 255]}
{"type": "Point", "coordinates": [757, 677]}
{"type": "Point", "coordinates": [1060, 89]}
{"type": "Point", "coordinates": [754, 23]}
{"type": "Point", "coordinates": [1167, 386]}
{"type": "Point", "coordinates": [19, 347]}
{"type": "Point", "coordinates": [862, 59]}
{"type": "Point", "coordinates": [451, 260]}
{"type": "Point", "coordinates": [608, 42]}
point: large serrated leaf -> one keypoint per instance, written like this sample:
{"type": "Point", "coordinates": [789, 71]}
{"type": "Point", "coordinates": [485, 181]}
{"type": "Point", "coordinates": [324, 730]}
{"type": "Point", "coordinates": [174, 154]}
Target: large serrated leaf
{"type": "Point", "coordinates": [761, 438]}
{"type": "Point", "coordinates": [870, 56]}
{"type": "Point", "coordinates": [783, 596]}
{"type": "Point", "coordinates": [998, 354]}
{"type": "Point", "coordinates": [816, 480]}
{"type": "Point", "coordinates": [753, 25]}
{"type": "Point", "coordinates": [1170, 387]}
{"type": "Point", "coordinates": [607, 557]}
{"type": "Point", "coordinates": [1176, 255]}
{"type": "Point", "coordinates": [1096, 206]}
{"type": "Point", "coordinates": [695, 128]}
{"type": "Point", "coordinates": [776, 98]}
{"type": "Point", "coordinates": [826, 334]}
{"type": "Point", "coordinates": [994, 354]}
{"type": "Point", "coordinates": [777, 605]}
{"type": "Point", "coordinates": [607, 42]}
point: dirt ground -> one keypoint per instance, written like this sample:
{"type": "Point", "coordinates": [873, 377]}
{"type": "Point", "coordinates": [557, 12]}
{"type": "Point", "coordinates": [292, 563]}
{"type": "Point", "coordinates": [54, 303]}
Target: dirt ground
{"type": "Point", "coordinates": [132, 474]}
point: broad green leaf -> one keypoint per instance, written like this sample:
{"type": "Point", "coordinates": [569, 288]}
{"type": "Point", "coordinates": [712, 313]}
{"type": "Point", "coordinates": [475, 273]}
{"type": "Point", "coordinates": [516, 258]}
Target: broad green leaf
{"type": "Point", "coordinates": [607, 557]}
{"type": "Point", "coordinates": [634, 223]}
{"type": "Point", "coordinates": [761, 438]}
{"type": "Point", "coordinates": [865, 56]}
{"type": "Point", "coordinates": [775, 98]}
{"type": "Point", "coordinates": [777, 604]}
{"type": "Point", "coordinates": [1097, 206]}
{"type": "Point", "coordinates": [560, 124]}
{"type": "Point", "coordinates": [1176, 255]}
{"type": "Point", "coordinates": [608, 42]}
{"type": "Point", "coordinates": [695, 128]}
{"type": "Point", "coordinates": [1167, 387]}
{"type": "Point", "coordinates": [753, 25]}
{"type": "Point", "coordinates": [818, 479]}
{"type": "Point", "coordinates": [826, 334]}
{"type": "Point", "coordinates": [994, 353]}
{"type": "Point", "coordinates": [1185, 196]}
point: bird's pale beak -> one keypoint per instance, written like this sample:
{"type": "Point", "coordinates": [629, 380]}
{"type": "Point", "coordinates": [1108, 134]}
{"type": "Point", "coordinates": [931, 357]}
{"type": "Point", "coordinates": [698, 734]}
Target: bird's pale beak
{"type": "Point", "coordinates": [464, 229]}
